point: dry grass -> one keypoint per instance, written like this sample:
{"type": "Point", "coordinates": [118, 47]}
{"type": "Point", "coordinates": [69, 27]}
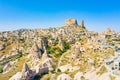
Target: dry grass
{"type": "Point", "coordinates": [18, 68]}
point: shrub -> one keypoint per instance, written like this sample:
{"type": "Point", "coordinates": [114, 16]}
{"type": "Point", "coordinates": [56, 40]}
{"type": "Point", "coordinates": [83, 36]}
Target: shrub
{"type": "Point", "coordinates": [66, 45]}
{"type": "Point", "coordinates": [59, 70]}
{"type": "Point", "coordinates": [53, 49]}
{"type": "Point", "coordinates": [20, 54]}
{"type": "Point", "coordinates": [103, 69]}
{"type": "Point", "coordinates": [1, 69]}
{"type": "Point", "coordinates": [52, 71]}
{"type": "Point", "coordinates": [59, 54]}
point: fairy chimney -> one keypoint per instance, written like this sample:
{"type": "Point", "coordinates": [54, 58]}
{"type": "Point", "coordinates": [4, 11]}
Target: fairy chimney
{"type": "Point", "coordinates": [82, 24]}
{"type": "Point", "coordinates": [36, 52]}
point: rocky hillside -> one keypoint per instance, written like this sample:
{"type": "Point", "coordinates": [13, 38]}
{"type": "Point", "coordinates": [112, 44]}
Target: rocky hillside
{"type": "Point", "coordinates": [69, 52]}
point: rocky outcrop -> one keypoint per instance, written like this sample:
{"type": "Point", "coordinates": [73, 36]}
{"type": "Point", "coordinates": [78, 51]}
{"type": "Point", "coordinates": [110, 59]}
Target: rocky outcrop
{"type": "Point", "coordinates": [26, 74]}
{"type": "Point", "coordinates": [78, 76]}
{"type": "Point", "coordinates": [2, 46]}
{"type": "Point", "coordinates": [109, 31]}
{"type": "Point", "coordinates": [17, 76]}
{"type": "Point", "coordinates": [46, 60]}
{"type": "Point", "coordinates": [36, 52]}
{"type": "Point", "coordinates": [60, 44]}
{"type": "Point", "coordinates": [40, 69]}
{"type": "Point", "coordinates": [7, 67]}
{"type": "Point", "coordinates": [71, 22]}
{"type": "Point", "coordinates": [69, 68]}
{"type": "Point", "coordinates": [52, 42]}
{"type": "Point", "coordinates": [86, 76]}
{"type": "Point", "coordinates": [45, 56]}
{"type": "Point", "coordinates": [82, 24]}
{"type": "Point", "coordinates": [76, 49]}
{"type": "Point", "coordinates": [42, 42]}
{"type": "Point", "coordinates": [64, 77]}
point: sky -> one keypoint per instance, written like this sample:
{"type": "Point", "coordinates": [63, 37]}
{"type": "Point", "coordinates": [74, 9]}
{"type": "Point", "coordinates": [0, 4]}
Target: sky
{"type": "Point", "coordinates": [98, 15]}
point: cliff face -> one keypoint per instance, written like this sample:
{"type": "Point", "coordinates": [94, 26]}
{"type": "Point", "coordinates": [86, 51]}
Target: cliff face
{"type": "Point", "coordinates": [70, 52]}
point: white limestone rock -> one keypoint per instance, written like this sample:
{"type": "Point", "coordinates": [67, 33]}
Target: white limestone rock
{"type": "Point", "coordinates": [2, 46]}
{"type": "Point", "coordinates": [36, 53]}
{"type": "Point", "coordinates": [64, 77]}
{"type": "Point", "coordinates": [78, 76]}
{"type": "Point", "coordinates": [17, 76]}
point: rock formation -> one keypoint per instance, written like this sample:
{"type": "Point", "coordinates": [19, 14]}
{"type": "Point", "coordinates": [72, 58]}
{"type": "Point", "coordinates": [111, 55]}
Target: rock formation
{"type": "Point", "coordinates": [26, 74]}
{"type": "Point", "coordinates": [64, 77]}
{"type": "Point", "coordinates": [76, 49]}
{"type": "Point", "coordinates": [44, 56]}
{"type": "Point", "coordinates": [109, 31]}
{"type": "Point", "coordinates": [42, 41]}
{"type": "Point", "coordinates": [46, 61]}
{"type": "Point", "coordinates": [36, 52]}
{"type": "Point", "coordinates": [82, 24]}
{"type": "Point", "coordinates": [2, 46]}
{"type": "Point", "coordinates": [78, 76]}
{"type": "Point", "coordinates": [71, 22]}
{"type": "Point", "coordinates": [60, 44]}
{"type": "Point", "coordinates": [17, 76]}
{"type": "Point", "coordinates": [7, 67]}
{"type": "Point", "coordinates": [69, 68]}
{"type": "Point", "coordinates": [74, 53]}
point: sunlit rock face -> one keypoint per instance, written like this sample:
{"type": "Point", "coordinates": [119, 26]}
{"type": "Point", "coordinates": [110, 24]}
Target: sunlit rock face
{"type": "Point", "coordinates": [2, 46]}
{"type": "Point", "coordinates": [26, 74]}
{"type": "Point", "coordinates": [64, 77]}
{"type": "Point", "coordinates": [60, 44]}
{"type": "Point", "coordinates": [8, 66]}
{"type": "Point", "coordinates": [17, 76]}
{"type": "Point", "coordinates": [71, 22]}
{"type": "Point", "coordinates": [36, 52]}
{"type": "Point", "coordinates": [46, 61]}
{"type": "Point", "coordinates": [42, 42]}
{"type": "Point", "coordinates": [76, 49]}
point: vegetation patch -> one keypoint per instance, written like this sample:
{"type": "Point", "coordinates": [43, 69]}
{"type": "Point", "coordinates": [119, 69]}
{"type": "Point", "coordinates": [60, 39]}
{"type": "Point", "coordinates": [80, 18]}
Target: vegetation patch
{"type": "Point", "coordinates": [102, 70]}
{"type": "Point", "coordinates": [1, 69]}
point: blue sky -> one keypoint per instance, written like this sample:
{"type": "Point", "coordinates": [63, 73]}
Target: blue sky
{"type": "Point", "coordinates": [97, 14]}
